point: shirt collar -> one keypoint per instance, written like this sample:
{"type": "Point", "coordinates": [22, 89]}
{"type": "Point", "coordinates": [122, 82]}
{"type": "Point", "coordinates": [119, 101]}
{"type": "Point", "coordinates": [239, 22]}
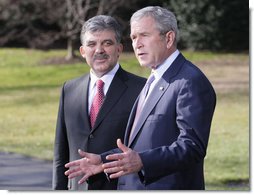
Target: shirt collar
{"type": "Point", "coordinates": [106, 78]}
{"type": "Point", "coordinates": [158, 72]}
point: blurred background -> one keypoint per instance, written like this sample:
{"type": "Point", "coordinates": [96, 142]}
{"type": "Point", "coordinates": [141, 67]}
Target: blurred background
{"type": "Point", "coordinates": [39, 51]}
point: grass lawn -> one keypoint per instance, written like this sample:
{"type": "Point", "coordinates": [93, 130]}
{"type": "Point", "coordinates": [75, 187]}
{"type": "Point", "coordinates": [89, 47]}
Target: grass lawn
{"type": "Point", "coordinates": [30, 89]}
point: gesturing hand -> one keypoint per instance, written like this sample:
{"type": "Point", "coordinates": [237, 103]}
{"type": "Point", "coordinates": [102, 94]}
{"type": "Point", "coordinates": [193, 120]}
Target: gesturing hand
{"type": "Point", "coordinates": [123, 163]}
{"type": "Point", "coordinates": [89, 165]}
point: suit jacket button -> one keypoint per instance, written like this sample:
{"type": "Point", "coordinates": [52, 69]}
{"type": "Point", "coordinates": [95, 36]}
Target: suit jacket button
{"type": "Point", "coordinates": [91, 136]}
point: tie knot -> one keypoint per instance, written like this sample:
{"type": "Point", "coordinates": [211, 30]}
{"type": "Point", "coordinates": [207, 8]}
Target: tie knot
{"type": "Point", "coordinates": [100, 84]}
{"type": "Point", "coordinates": [150, 79]}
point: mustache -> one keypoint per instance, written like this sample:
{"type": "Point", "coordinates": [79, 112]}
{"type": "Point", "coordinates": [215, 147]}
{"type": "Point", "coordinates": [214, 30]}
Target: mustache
{"type": "Point", "coordinates": [100, 56]}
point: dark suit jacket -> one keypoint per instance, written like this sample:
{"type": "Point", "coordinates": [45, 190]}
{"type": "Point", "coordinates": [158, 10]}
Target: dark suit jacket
{"type": "Point", "coordinates": [73, 129]}
{"type": "Point", "coordinates": [172, 133]}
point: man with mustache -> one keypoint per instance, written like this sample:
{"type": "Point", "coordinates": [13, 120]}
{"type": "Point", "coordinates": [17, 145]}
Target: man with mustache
{"type": "Point", "coordinates": [95, 107]}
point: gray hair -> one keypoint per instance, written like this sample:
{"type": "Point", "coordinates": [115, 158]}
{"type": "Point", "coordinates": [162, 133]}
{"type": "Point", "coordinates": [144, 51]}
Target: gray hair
{"type": "Point", "coordinates": [165, 19]}
{"type": "Point", "coordinates": [101, 23]}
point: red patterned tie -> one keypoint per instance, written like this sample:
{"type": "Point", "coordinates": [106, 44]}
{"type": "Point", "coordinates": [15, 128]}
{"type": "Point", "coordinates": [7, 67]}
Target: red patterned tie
{"type": "Point", "coordinates": [97, 102]}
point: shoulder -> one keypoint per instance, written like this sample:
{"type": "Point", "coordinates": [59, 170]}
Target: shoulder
{"type": "Point", "coordinates": [183, 73]}
{"type": "Point", "coordinates": [194, 72]}
{"type": "Point", "coordinates": [187, 70]}
{"type": "Point", "coordinates": [192, 77]}
{"type": "Point", "coordinates": [130, 77]}
{"type": "Point", "coordinates": [76, 81]}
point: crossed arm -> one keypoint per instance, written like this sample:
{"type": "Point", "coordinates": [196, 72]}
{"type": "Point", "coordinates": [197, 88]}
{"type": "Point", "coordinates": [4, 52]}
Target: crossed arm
{"type": "Point", "coordinates": [90, 164]}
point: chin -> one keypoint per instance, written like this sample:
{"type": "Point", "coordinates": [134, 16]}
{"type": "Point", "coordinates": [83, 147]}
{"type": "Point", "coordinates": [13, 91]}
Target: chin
{"type": "Point", "coordinates": [144, 65]}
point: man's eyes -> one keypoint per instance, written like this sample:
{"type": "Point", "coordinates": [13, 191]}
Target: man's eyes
{"type": "Point", "coordinates": [90, 44]}
{"type": "Point", "coordinates": [141, 35]}
{"type": "Point", "coordinates": [106, 43]}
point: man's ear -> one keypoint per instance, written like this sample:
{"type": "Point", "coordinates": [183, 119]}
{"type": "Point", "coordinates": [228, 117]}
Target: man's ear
{"type": "Point", "coordinates": [82, 51]}
{"type": "Point", "coordinates": [120, 49]}
{"type": "Point", "coordinates": [170, 37]}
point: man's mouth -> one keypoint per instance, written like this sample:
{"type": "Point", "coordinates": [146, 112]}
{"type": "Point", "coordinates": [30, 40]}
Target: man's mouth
{"type": "Point", "coordinates": [141, 54]}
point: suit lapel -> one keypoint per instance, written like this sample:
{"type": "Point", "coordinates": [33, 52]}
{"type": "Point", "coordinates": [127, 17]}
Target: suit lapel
{"type": "Point", "coordinates": [116, 89]}
{"type": "Point", "coordinates": [130, 122]}
{"type": "Point", "coordinates": [84, 88]}
{"type": "Point", "coordinates": [157, 92]}
{"type": "Point", "coordinates": [152, 100]}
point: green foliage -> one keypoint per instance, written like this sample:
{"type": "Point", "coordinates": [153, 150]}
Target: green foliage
{"type": "Point", "coordinates": [204, 24]}
{"type": "Point", "coordinates": [29, 97]}
{"type": "Point", "coordinates": [212, 24]}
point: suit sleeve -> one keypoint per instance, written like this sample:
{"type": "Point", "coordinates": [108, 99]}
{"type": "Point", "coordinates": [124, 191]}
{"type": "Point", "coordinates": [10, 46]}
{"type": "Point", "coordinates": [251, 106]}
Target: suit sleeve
{"type": "Point", "coordinates": [61, 151]}
{"type": "Point", "coordinates": [195, 105]}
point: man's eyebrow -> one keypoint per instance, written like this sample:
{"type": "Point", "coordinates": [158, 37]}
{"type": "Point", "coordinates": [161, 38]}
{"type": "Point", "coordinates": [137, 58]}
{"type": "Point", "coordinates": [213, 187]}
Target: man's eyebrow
{"type": "Point", "coordinates": [110, 40]}
{"type": "Point", "coordinates": [90, 41]}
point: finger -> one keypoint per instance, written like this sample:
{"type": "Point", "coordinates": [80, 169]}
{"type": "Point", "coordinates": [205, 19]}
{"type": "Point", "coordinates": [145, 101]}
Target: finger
{"type": "Point", "coordinates": [121, 146]}
{"type": "Point", "coordinates": [117, 175]}
{"type": "Point", "coordinates": [72, 164]}
{"type": "Point", "coordinates": [115, 157]}
{"type": "Point", "coordinates": [67, 172]}
{"type": "Point", "coordinates": [75, 174]}
{"type": "Point", "coordinates": [83, 179]}
{"type": "Point", "coordinates": [82, 153]}
{"type": "Point", "coordinates": [72, 170]}
{"type": "Point", "coordinates": [112, 164]}
{"type": "Point", "coordinates": [113, 170]}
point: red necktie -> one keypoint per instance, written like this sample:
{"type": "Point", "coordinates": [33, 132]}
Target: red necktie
{"type": "Point", "coordinates": [97, 102]}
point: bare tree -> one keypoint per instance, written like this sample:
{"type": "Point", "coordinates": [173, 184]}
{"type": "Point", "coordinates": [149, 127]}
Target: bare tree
{"type": "Point", "coordinates": [40, 23]}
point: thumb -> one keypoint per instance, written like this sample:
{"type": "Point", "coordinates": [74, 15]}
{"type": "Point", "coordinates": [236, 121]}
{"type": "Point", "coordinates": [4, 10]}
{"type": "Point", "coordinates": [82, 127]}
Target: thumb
{"type": "Point", "coordinates": [121, 146]}
{"type": "Point", "coordinates": [82, 153]}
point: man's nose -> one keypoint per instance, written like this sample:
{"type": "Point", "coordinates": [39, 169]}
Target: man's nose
{"type": "Point", "coordinates": [99, 49]}
{"type": "Point", "coordinates": [137, 44]}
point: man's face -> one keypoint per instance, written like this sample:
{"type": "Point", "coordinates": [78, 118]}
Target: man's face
{"type": "Point", "coordinates": [101, 51]}
{"type": "Point", "coordinates": [149, 45]}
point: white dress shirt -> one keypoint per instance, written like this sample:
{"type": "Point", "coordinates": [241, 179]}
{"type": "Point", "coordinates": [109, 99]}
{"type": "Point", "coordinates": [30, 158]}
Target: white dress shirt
{"type": "Point", "coordinates": [107, 79]}
{"type": "Point", "coordinates": [161, 69]}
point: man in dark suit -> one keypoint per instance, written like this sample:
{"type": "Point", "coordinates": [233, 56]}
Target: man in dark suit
{"type": "Point", "coordinates": [168, 129]}
{"type": "Point", "coordinates": [101, 47]}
